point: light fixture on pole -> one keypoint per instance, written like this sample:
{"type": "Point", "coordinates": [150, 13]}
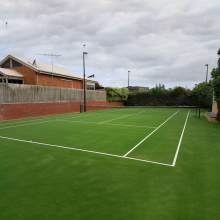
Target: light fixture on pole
{"type": "Point", "coordinates": [128, 77]}
{"type": "Point", "coordinates": [84, 75]}
{"type": "Point", "coordinates": [207, 72]}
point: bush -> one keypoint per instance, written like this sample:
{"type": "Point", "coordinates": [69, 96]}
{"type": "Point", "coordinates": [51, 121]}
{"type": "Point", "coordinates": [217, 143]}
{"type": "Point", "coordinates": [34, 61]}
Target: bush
{"type": "Point", "coordinates": [179, 96]}
{"type": "Point", "coordinates": [116, 94]}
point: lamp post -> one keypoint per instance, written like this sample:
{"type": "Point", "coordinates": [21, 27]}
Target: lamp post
{"type": "Point", "coordinates": [207, 71]}
{"type": "Point", "coordinates": [128, 77]}
{"type": "Point", "coordinates": [84, 75]}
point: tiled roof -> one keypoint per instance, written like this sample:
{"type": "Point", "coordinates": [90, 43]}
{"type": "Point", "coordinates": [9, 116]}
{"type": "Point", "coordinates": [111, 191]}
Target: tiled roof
{"type": "Point", "coordinates": [46, 68]}
{"type": "Point", "coordinates": [10, 73]}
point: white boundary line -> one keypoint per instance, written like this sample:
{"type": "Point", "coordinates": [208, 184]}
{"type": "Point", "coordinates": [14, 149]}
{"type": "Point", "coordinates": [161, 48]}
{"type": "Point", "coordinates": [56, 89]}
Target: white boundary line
{"type": "Point", "coordinates": [150, 134]}
{"type": "Point", "coordinates": [121, 117]}
{"type": "Point", "coordinates": [178, 148]}
{"type": "Point", "coordinates": [28, 124]}
{"type": "Point", "coordinates": [125, 156]}
{"type": "Point", "coordinates": [89, 151]}
{"type": "Point", "coordinates": [40, 121]}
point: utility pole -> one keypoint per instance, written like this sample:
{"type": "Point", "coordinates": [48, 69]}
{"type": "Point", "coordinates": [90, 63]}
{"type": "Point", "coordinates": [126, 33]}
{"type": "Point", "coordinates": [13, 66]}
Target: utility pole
{"type": "Point", "coordinates": [207, 72]}
{"type": "Point", "coordinates": [128, 77]}
{"type": "Point", "coordinates": [84, 75]}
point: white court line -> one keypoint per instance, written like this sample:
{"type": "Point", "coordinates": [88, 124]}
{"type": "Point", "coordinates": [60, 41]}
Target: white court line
{"type": "Point", "coordinates": [27, 124]}
{"type": "Point", "coordinates": [121, 117]}
{"type": "Point", "coordinates": [136, 126]}
{"type": "Point", "coordinates": [178, 148]}
{"type": "Point", "coordinates": [40, 121]}
{"type": "Point", "coordinates": [88, 151]}
{"type": "Point", "coordinates": [49, 117]}
{"type": "Point", "coordinates": [149, 134]}
{"type": "Point", "coordinates": [15, 121]}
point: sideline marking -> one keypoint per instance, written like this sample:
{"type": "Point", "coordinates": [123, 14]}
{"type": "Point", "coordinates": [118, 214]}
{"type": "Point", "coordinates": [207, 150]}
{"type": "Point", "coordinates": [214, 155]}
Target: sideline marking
{"type": "Point", "coordinates": [89, 151]}
{"type": "Point", "coordinates": [121, 117]}
{"type": "Point", "coordinates": [181, 137]}
{"type": "Point", "coordinates": [40, 118]}
{"type": "Point", "coordinates": [40, 121]}
{"type": "Point", "coordinates": [149, 134]}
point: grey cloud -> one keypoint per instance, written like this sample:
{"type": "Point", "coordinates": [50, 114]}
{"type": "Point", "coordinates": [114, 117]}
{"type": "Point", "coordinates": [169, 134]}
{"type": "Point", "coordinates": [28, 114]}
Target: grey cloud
{"type": "Point", "coordinates": [161, 41]}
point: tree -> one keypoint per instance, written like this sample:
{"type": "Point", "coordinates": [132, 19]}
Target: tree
{"type": "Point", "coordinates": [216, 71]}
{"type": "Point", "coordinates": [216, 85]}
{"type": "Point", "coordinates": [203, 95]}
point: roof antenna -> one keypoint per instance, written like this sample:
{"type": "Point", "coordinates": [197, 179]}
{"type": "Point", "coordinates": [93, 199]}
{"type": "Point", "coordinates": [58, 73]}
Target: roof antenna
{"type": "Point", "coordinates": [34, 63]}
{"type": "Point", "coordinates": [51, 56]}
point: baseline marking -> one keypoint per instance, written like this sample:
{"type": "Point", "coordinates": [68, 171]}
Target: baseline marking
{"type": "Point", "coordinates": [89, 151]}
{"type": "Point", "coordinates": [150, 134]}
{"type": "Point", "coordinates": [121, 117]}
{"type": "Point", "coordinates": [181, 137]}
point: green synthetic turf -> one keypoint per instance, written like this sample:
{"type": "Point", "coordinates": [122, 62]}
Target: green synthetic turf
{"type": "Point", "coordinates": [45, 182]}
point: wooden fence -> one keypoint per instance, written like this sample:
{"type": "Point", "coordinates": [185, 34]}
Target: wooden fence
{"type": "Point", "coordinates": [19, 93]}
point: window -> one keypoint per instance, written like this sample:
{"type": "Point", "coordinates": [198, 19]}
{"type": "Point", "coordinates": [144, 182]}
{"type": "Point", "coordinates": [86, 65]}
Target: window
{"type": "Point", "coordinates": [15, 81]}
{"type": "Point", "coordinates": [6, 65]}
{"type": "Point", "coordinates": [12, 64]}
{"type": "Point", "coordinates": [16, 64]}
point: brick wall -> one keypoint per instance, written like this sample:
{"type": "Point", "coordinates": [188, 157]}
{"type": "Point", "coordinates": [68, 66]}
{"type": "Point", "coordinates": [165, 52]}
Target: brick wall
{"type": "Point", "coordinates": [30, 76]}
{"type": "Point", "coordinates": [28, 110]}
{"type": "Point", "coordinates": [33, 78]}
{"type": "Point", "coordinates": [214, 107]}
{"type": "Point", "coordinates": [46, 80]}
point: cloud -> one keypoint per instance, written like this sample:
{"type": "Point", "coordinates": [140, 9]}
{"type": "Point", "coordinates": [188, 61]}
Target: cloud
{"type": "Point", "coordinates": [162, 41]}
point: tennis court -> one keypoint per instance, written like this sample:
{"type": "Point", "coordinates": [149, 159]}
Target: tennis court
{"type": "Point", "coordinates": [114, 163]}
{"type": "Point", "coordinates": [146, 134]}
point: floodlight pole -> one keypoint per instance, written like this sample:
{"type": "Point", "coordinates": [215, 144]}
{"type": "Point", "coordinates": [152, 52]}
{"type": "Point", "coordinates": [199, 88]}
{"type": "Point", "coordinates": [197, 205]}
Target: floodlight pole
{"type": "Point", "coordinates": [128, 77]}
{"type": "Point", "coordinates": [84, 76]}
{"type": "Point", "coordinates": [207, 72]}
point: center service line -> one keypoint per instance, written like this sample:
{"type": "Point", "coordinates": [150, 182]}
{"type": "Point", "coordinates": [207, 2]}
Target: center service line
{"type": "Point", "coordinates": [149, 135]}
{"type": "Point", "coordinates": [121, 117]}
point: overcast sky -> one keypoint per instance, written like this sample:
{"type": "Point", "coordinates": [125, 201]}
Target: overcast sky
{"type": "Point", "coordinates": [158, 41]}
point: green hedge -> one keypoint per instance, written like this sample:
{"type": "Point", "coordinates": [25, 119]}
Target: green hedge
{"type": "Point", "coordinates": [179, 96]}
{"type": "Point", "coordinates": [216, 85]}
{"type": "Point", "coordinates": [116, 94]}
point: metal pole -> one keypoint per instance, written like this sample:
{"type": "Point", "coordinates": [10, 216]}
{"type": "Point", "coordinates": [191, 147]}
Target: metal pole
{"type": "Point", "coordinates": [207, 72]}
{"type": "Point", "coordinates": [128, 77]}
{"type": "Point", "coordinates": [84, 75]}
{"type": "Point", "coordinates": [52, 66]}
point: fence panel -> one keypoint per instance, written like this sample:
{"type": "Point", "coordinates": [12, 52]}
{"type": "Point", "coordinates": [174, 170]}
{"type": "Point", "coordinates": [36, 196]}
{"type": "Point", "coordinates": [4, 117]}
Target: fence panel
{"type": "Point", "coordinates": [19, 93]}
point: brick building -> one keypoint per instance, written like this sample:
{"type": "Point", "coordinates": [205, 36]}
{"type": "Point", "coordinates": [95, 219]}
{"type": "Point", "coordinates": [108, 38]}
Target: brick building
{"type": "Point", "coordinates": [14, 69]}
{"type": "Point", "coordinates": [134, 89]}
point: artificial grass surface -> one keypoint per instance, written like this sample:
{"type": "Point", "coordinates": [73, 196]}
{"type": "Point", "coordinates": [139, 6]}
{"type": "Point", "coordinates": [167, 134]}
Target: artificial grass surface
{"type": "Point", "coordinates": [43, 182]}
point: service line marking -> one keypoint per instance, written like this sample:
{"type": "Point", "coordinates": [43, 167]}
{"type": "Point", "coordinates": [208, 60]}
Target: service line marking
{"type": "Point", "coordinates": [121, 117]}
{"type": "Point", "coordinates": [88, 151]}
{"type": "Point", "coordinates": [181, 137]}
{"type": "Point", "coordinates": [149, 134]}
{"type": "Point", "coordinates": [136, 126]}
